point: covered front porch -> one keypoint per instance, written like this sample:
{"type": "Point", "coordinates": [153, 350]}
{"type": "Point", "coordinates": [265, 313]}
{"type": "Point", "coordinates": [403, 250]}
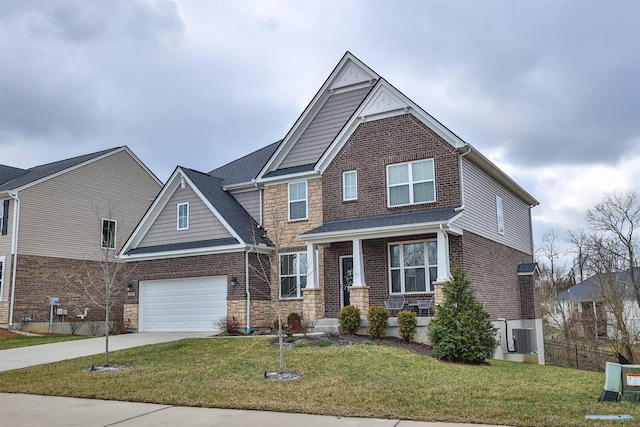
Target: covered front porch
{"type": "Point", "coordinates": [366, 260]}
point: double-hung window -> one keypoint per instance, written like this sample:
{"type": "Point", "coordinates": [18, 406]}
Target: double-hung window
{"type": "Point", "coordinates": [297, 200]}
{"type": "Point", "coordinates": [293, 274]}
{"type": "Point", "coordinates": [4, 216]}
{"type": "Point", "coordinates": [349, 185]}
{"type": "Point", "coordinates": [108, 234]}
{"type": "Point", "coordinates": [499, 215]}
{"type": "Point", "coordinates": [183, 216]}
{"type": "Point", "coordinates": [411, 183]}
{"type": "Point", "coordinates": [413, 267]}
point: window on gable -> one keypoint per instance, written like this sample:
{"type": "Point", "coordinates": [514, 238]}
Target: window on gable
{"type": "Point", "coordinates": [183, 216]}
{"type": "Point", "coordinates": [108, 234]}
{"type": "Point", "coordinates": [4, 216]}
{"type": "Point", "coordinates": [413, 267]}
{"type": "Point", "coordinates": [349, 185]}
{"type": "Point", "coordinates": [499, 215]}
{"type": "Point", "coordinates": [293, 274]}
{"type": "Point", "coordinates": [411, 183]}
{"type": "Point", "coordinates": [1, 276]}
{"type": "Point", "coordinates": [297, 200]}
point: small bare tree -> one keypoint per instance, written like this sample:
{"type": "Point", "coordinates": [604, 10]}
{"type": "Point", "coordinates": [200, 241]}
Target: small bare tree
{"type": "Point", "coordinates": [102, 284]}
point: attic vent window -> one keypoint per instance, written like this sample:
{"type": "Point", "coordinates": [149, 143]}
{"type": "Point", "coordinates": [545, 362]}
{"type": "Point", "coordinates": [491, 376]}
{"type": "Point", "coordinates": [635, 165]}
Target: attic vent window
{"type": "Point", "coordinates": [108, 234]}
{"type": "Point", "coordinates": [183, 216]}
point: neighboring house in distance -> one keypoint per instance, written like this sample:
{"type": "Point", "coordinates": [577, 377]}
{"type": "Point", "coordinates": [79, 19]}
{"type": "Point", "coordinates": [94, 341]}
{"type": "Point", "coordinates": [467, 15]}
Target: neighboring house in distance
{"type": "Point", "coordinates": [55, 220]}
{"type": "Point", "coordinates": [366, 196]}
{"type": "Point", "coordinates": [584, 308]}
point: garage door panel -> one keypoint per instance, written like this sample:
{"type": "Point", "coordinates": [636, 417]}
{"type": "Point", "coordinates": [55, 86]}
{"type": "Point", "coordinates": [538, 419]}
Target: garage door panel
{"type": "Point", "coordinates": [182, 305]}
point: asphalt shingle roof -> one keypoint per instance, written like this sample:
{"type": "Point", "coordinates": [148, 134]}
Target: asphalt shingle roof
{"type": "Point", "coordinates": [589, 289]}
{"type": "Point", "coordinates": [527, 268]}
{"type": "Point", "coordinates": [9, 173]}
{"type": "Point", "coordinates": [245, 168]}
{"type": "Point", "coordinates": [291, 170]}
{"type": "Point", "coordinates": [385, 221]}
{"type": "Point", "coordinates": [42, 171]}
{"type": "Point", "coordinates": [182, 246]}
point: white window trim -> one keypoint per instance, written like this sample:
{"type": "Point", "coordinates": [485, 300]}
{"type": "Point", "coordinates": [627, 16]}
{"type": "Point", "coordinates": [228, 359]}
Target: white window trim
{"type": "Point", "coordinates": [500, 215]}
{"type": "Point", "coordinates": [410, 183]}
{"type": "Point", "coordinates": [297, 275]}
{"type": "Point", "coordinates": [427, 266]}
{"type": "Point", "coordinates": [306, 201]}
{"type": "Point", "coordinates": [2, 269]}
{"type": "Point", "coordinates": [344, 185]}
{"type": "Point", "coordinates": [178, 216]}
{"type": "Point", "coordinates": [115, 233]}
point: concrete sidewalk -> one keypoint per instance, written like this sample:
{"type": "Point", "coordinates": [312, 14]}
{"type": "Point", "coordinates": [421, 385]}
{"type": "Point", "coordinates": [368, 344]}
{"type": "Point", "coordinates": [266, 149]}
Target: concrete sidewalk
{"type": "Point", "coordinates": [27, 410]}
{"type": "Point", "coordinates": [16, 358]}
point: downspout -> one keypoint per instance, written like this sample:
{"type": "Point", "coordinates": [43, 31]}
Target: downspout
{"type": "Point", "coordinates": [461, 178]}
{"type": "Point", "coordinates": [246, 281]}
{"type": "Point", "coordinates": [14, 246]}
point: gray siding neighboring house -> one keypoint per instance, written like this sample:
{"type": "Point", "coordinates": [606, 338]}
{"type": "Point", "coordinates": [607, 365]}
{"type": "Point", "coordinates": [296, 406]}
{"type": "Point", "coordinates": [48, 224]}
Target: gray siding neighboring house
{"type": "Point", "coordinates": [480, 215]}
{"type": "Point", "coordinates": [59, 218]}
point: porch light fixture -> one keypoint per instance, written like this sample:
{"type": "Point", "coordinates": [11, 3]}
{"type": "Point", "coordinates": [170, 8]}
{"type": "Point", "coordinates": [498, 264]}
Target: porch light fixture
{"type": "Point", "coordinates": [234, 280]}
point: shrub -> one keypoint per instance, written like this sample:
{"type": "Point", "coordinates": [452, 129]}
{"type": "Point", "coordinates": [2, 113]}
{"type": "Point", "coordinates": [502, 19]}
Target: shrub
{"type": "Point", "coordinates": [378, 321]}
{"type": "Point", "coordinates": [407, 323]}
{"type": "Point", "coordinates": [350, 320]}
{"type": "Point", "coordinates": [228, 325]}
{"type": "Point", "coordinates": [460, 330]}
{"type": "Point", "coordinates": [294, 322]}
{"type": "Point", "coordinates": [307, 325]}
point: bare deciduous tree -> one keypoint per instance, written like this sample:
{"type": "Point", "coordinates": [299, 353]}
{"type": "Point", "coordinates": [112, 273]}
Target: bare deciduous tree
{"type": "Point", "coordinates": [618, 215]}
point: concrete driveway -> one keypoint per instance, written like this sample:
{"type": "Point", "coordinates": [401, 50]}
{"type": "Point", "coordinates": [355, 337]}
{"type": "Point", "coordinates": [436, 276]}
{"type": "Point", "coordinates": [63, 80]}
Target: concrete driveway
{"type": "Point", "coordinates": [30, 410]}
{"type": "Point", "coordinates": [23, 357]}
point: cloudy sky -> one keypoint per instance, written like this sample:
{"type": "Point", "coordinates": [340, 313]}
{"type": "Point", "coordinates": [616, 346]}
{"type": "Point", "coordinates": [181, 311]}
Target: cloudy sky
{"type": "Point", "coordinates": [548, 90]}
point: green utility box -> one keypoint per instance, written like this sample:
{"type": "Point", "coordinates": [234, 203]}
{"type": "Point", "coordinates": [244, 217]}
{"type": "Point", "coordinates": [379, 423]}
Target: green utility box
{"type": "Point", "coordinates": [630, 383]}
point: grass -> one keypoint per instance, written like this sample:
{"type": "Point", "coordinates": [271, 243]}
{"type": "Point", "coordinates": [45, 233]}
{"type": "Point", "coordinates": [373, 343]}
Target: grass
{"type": "Point", "coordinates": [355, 380]}
{"type": "Point", "coordinates": [26, 340]}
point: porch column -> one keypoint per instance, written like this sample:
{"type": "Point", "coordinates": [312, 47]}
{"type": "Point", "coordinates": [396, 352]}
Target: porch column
{"type": "Point", "coordinates": [443, 256]}
{"type": "Point", "coordinates": [312, 281]}
{"type": "Point", "coordinates": [312, 298]}
{"type": "Point", "coordinates": [443, 265]}
{"type": "Point", "coordinates": [358, 265]}
{"type": "Point", "coordinates": [359, 291]}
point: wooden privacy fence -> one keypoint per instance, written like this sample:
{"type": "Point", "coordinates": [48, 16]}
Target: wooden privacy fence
{"type": "Point", "coordinates": [577, 356]}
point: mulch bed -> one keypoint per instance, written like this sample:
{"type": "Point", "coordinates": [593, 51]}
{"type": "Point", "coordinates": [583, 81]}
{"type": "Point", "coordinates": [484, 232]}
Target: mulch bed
{"type": "Point", "coordinates": [344, 339]}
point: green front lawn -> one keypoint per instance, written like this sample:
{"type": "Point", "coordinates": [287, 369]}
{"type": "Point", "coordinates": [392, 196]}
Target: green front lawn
{"type": "Point", "coordinates": [357, 380]}
{"type": "Point", "coordinates": [26, 340]}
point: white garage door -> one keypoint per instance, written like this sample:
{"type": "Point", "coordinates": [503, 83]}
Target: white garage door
{"type": "Point", "coordinates": [182, 305]}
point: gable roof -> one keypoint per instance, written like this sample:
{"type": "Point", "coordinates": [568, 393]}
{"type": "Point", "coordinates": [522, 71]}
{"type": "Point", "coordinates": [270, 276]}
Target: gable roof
{"type": "Point", "coordinates": [229, 212]}
{"type": "Point", "coordinates": [36, 174]}
{"type": "Point", "coordinates": [349, 74]}
{"type": "Point", "coordinates": [589, 289]}
{"type": "Point", "coordinates": [9, 173]}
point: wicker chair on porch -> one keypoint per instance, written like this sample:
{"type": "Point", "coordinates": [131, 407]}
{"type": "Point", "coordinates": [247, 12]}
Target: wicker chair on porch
{"type": "Point", "coordinates": [395, 303]}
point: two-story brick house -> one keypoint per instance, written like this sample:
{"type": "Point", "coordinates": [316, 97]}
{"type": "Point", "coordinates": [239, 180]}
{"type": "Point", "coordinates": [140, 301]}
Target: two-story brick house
{"type": "Point", "coordinates": [57, 222]}
{"type": "Point", "coordinates": [366, 196]}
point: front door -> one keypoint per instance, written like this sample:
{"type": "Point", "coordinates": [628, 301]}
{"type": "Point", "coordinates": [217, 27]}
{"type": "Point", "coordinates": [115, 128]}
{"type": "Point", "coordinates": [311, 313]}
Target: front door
{"type": "Point", "coordinates": [346, 278]}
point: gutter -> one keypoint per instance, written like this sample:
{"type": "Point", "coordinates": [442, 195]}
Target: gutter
{"type": "Point", "coordinates": [14, 247]}
{"type": "Point", "coordinates": [461, 207]}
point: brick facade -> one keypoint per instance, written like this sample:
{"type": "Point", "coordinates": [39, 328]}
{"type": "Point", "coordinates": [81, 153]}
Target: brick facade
{"type": "Point", "coordinates": [39, 278]}
{"type": "Point", "coordinates": [492, 269]}
{"type": "Point", "coordinates": [372, 147]}
{"type": "Point", "coordinates": [530, 297]}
